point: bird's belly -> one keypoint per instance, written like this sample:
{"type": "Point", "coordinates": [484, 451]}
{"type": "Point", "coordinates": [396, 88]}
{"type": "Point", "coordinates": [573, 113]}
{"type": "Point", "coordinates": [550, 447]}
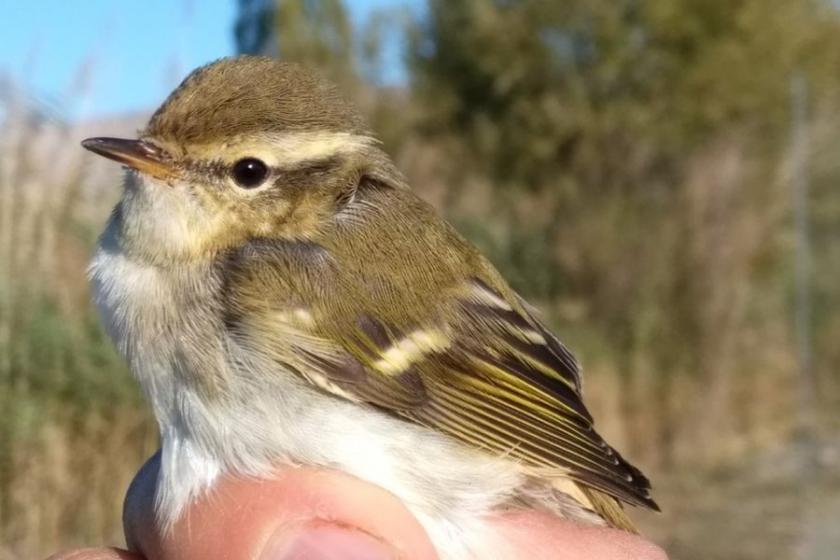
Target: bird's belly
{"type": "Point", "coordinates": [449, 489]}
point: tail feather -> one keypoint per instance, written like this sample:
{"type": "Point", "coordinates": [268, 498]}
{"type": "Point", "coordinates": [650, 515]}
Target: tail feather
{"type": "Point", "coordinates": [610, 509]}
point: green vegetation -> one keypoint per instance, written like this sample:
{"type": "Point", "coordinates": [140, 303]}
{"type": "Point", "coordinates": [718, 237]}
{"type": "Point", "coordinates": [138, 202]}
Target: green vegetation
{"type": "Point", "coordinates": [627, 164]}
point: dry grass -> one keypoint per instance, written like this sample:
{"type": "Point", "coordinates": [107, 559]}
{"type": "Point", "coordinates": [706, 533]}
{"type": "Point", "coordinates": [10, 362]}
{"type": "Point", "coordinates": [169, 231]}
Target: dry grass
{"type": "Point", "coordinates": [73, 426]}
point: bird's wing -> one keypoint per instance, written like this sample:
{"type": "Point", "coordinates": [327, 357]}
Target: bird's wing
{"type": "Point", "coordinates": [480, 368]}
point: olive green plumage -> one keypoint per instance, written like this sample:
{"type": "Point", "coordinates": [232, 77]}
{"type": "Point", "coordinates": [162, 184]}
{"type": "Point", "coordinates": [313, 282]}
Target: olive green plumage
{"type": "Point", "coordinates": [208, 104]}
{"type": "Point", "coordinates": [331, 267]}
{"type": "Point", "coordinates": [498, 379]}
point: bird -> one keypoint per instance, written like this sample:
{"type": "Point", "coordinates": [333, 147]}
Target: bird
{"type": "Point", "coordinates": [283, 297]}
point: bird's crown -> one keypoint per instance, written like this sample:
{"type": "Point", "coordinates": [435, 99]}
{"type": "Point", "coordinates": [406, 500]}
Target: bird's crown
{"type": "Point", "coordinates": [242, 95]}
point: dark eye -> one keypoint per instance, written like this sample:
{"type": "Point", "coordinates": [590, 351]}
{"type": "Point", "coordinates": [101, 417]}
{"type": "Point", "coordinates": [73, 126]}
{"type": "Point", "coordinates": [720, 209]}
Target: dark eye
{"type": "Point", "coordinates": [249, 173]}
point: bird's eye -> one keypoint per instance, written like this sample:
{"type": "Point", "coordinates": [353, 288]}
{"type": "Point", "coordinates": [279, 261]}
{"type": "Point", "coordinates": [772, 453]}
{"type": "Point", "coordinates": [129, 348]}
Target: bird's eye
{"type": "Point", "coordinates": [249, 173]}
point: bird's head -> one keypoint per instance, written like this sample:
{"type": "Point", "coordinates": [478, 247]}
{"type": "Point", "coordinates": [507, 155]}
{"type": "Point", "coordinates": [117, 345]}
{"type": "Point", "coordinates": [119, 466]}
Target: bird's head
{"type": "Point", "coordinates": [245, 147]}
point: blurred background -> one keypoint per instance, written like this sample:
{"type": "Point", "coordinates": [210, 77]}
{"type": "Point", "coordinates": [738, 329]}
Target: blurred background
{"type": "Point", "coordinates": [661, 177]}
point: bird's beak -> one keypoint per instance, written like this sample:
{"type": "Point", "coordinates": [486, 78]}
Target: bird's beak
{"type": "Point", "coordinates": [136, 154]}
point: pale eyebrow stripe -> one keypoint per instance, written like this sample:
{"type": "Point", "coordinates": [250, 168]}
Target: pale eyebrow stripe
{"type": "Point", "coordinates": [295, 147]}
{"type": "Point", "coordinates": [287, 149]}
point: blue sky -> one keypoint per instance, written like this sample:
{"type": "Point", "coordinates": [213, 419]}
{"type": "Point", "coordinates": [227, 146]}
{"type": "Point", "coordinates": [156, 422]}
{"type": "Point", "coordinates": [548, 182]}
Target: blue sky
{"type": "Point", "coordinates": [99, 57]}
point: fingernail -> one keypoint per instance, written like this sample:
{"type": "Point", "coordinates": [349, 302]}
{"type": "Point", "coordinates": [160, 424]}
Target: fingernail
{"type": "Point", "coordinates": [327, 542]}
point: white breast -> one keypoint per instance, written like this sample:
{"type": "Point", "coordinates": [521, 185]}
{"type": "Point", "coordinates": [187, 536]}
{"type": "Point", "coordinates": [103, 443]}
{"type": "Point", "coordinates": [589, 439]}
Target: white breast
{"type": "Point", "coordinates": [138, 306]}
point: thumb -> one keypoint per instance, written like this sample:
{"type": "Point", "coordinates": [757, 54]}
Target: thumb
{"type": "Point", "coordinates": [326, 541]}
{"type": "Point", "coordinates": [297, 514]}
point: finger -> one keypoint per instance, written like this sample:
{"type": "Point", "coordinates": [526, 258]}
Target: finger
{"type": "Point", "coordinates": [96, 554]}
{"type": "Point", "coordinates": [300, 513]}
{"type": "Point", "coordinates": [529, 535]}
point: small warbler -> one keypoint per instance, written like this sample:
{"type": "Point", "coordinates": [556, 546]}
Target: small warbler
{"type": "Point", "coordinates": [283, 297]}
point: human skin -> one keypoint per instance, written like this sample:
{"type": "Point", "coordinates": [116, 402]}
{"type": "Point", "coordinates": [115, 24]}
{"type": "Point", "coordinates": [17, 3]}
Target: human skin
{"type": "Point", "coordinates": [315, 514]}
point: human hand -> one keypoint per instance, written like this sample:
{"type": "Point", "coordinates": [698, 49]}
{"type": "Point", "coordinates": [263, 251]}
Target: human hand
{"type": "Point", "coordinates": [313, 514]}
